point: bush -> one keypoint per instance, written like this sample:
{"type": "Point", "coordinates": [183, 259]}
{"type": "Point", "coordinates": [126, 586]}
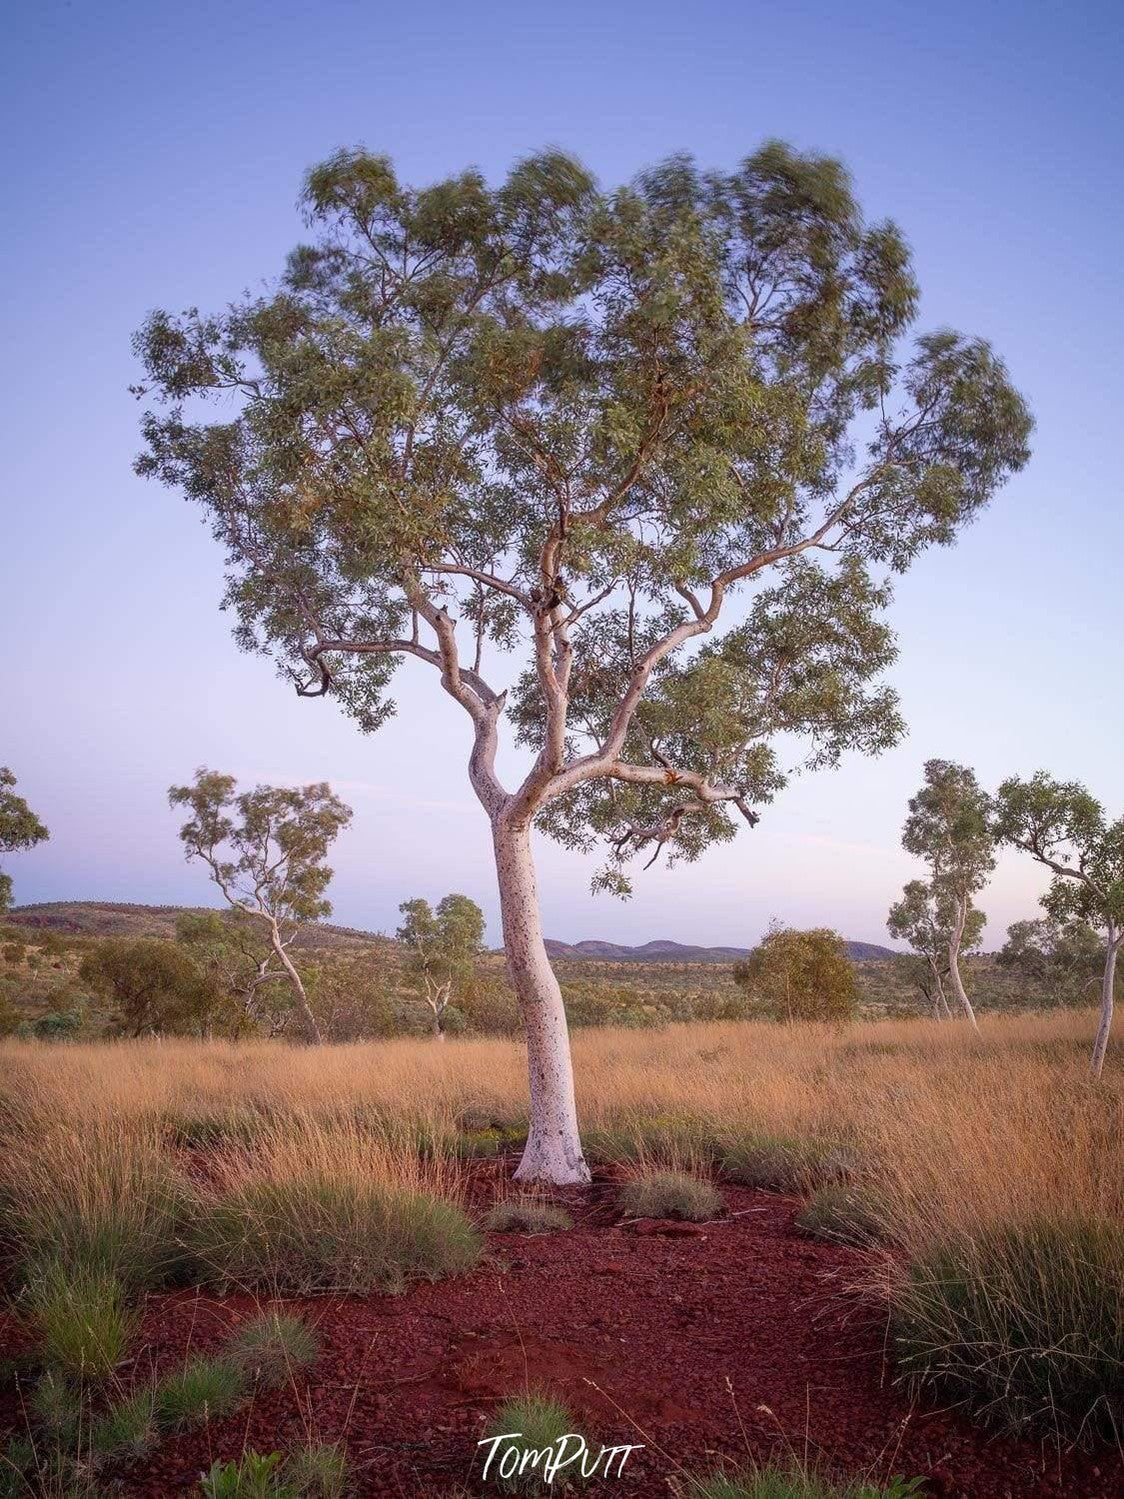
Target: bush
{"type": "Point", "coordinates": [57, 1025]}
{"type": "Point", "coordinates": [271, 1346]}
{"type": "Point", "coordinates": [203, 1388]}
{"type": "Point", "coordinates": [82, 1318]}
{"type": "Point", "coordinates": [800, 976]}
{"type": "Point", "coordinates": [845, 1215]}
{"type": "Point", "coordinates": [526, 1215]}
{"type": "Point", "coordinates": [154, 985]}
{"type": "Point", "coordinates": [670, 1194]}
{"type": "Point", "coordinates": [318, 1233]}
{"type": "Point", "coordinates": [785, 1163]}
{"type": "Point", "coordinates": [541, 1422]}
{"type": "Point", "coordinates": [1025, 1324]}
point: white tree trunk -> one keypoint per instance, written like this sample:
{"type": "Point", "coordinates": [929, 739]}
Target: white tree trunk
{"type": "Point", "coordinates": [554, 1152]}
{"type": "Point", "coordinates": [954, 965]}
{"type": "Point", "coordinates": [1100, 1046]}
{"type": "Point", "coordinates": [298, 987]}
{"type": "Point", "coordinates": [943, 1011]}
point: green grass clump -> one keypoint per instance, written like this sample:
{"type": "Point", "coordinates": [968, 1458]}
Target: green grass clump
{"type": "Point", "coordinates": [270, 1347]}
{"type": "Point", "coordinates": [843, 1215]}
{"type": "Point", "coordinates": [670, 1194]}
{"type": "Point", "coordinates": [541, 1422]}
{"type": "Point", "coordinates": [103, 1201]}
{"type": "Point", "coordinates": [128, 1428]}
{"type": "Point", "coordinates": [785, 1163]}
{"type": "Point", "coordinates": [82, 1318]}
{"type": "Point", "coordinates": [1023, 1323]}
{"type": "Point", "coordinates": [204, 1389]}
{"type": "Point", "coordinates": [527, 1215]}
{"type": "Point", "coordinates": [318, 1472]}
{"type": "Point", "coordinates": [652, 1139]}
{"type": "Point", "coordinates": [318, 1233]}
{"type": "Point", "coordinates": [794, 1482]}
{"type": "Point", "coordinates": [59, 1412]}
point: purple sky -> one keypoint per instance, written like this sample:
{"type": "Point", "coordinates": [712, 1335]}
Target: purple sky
{"type": "Point", "coordinates": [153, 155]}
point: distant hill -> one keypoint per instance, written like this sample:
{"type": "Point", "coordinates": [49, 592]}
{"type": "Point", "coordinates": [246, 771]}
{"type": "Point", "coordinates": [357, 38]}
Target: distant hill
{"type": "Point", "coordinates": [106, 918]}
{"type": "Point", "coordinates": [662, 951]}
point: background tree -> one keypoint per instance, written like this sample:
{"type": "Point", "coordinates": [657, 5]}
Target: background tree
{"type": "Point", "coordinates": [1065, 828]}
{"type": "Point", "coordinates": [265, 850]}
{"type": "Point", "coordinates": [19, 829]}
{"type": "Point", "coordinates": [237, 957]}
{"type": "Point", "coordinates": [154, 986]}
{"type": "Point", "coordinates": [583, 427]}
{"type": "Point", "coordinates": [949, 826]}
{"type": "Point", "coordinates": [1062, 959]}
{"type": "Point", "coordinates": [794, 975]}
{"type": "Point", "coordinates": [926, 917]}
{"type": "Point", "coordinates": [444, 947]}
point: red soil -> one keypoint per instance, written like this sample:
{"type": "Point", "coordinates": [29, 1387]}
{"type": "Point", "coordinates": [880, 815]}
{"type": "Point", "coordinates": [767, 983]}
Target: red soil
{"type": "Point", "coordinates": [738, 1339]}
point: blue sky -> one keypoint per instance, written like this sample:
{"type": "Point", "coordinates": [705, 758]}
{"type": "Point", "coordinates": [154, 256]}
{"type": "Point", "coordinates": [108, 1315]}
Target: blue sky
{"type": "Point", "coordinates": [152, 155]}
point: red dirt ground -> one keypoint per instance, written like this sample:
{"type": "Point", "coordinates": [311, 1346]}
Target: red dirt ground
{"type": "Point", "coordinates": [738, 1339]}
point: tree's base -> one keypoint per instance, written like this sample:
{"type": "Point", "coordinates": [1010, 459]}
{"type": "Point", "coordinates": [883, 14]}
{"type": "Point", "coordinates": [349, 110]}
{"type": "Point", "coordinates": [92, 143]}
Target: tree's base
{"type": "Point", "coordinates": [553, 1161]}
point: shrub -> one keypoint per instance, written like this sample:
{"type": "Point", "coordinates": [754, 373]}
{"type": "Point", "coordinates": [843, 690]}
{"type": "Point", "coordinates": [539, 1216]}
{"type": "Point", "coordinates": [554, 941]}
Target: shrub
{"type": "Point", "coordinates": [82, 1318]}
{"type": "Point", "coordinates": [154, 985]}
{"type": "Point", "coordinates": [56, 1025]}
{"type": "Point", "coordinates": [1025, 1324]}
{"type": "Point", "coordinates": [318, 1472]}
{"type": "Point", "coordinates": [670, 1194]}
{"type": "Point", "coordinates": [800, 976]}
{"type": "Point", "coordinates": [541, 1422]}
{"type": "Point", "coordinates": [269, 1347]}
{"type": "Point", "coordinates": [320, 1233]}
{"type": "Point", "coordinates": [845, 1215]}
{"type": "Point", "coordinates": [785, 1163]}
{"type": "Point", "coordinates": [526, 1215]}
{"type": "Point", "coordinates": [203, 1388]}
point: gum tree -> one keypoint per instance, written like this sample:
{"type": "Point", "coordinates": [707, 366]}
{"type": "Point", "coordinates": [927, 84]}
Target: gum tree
{"type": "Point", "coordinates": [444, 946]}
{"type": "Point", "coordinates": [1066, 829]}
{"type": "Point", "coordinates": [949, 826]}
{"type": "Point", "coordinates": [581, 430]}
{"type": "Point", "coordinates": [926, 920]}
{"type": "Point", "coordinates": [265, 850]}
{"type": "Point", "coordinates": [19, 829]}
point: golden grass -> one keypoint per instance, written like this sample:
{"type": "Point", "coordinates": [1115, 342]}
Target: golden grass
{"type": "Point", "coordinates": [958, 1129]}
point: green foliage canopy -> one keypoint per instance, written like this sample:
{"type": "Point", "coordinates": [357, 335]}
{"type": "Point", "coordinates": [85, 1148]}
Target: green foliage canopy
{"type": "Point", "coordinates": [547, 416]}
{"type": "Point", "coordinates": [19, 829]}
{"type": "Point", "coordinates": [795, 976]}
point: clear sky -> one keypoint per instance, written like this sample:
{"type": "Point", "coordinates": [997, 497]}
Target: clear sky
{"type": "Point", "coordinates": [152, 157]}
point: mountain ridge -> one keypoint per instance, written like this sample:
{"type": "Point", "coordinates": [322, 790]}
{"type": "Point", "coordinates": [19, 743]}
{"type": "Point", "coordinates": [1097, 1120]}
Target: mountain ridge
{"type": "Point", "coordinates": [106, 918]}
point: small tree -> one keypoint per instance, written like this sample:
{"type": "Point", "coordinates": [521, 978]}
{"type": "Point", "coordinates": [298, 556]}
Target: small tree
{"type": "Point", "coordinates": [949, 827]}
{"type": "Point", "coordinates": [800, 976]}
{"type": "Point", "coordinates": [154, 985]}
{"type": "Point", "coordinates": [574, 424]}
{"type": "Point", "coordinates": [1064, 959]}
{"type": "Point", "coordinates": [265, 850]}
{"type": "Point", "coordinates": [1065, 828]}
{"type": "Point", "coordinates": [19, 829]}
{"type": "Point", "coordinates": [926, 918]}
{"type": "Point", "coordinates": [444, 946]}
